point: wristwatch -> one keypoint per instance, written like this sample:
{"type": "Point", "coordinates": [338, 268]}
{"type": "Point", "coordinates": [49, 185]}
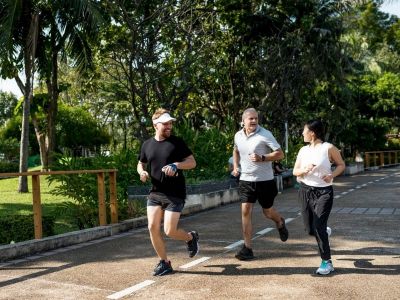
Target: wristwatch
{"type": "Point", "coordinates": [262, 157]}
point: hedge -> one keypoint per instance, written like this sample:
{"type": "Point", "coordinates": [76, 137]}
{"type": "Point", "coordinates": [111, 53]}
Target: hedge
{"type": "Point", "coordinates": [18, 228]}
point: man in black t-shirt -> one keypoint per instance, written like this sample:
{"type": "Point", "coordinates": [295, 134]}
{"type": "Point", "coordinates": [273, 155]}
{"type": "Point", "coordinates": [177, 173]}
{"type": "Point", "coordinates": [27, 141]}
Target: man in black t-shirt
{"type": "Point", "coordinates": [165, 156]}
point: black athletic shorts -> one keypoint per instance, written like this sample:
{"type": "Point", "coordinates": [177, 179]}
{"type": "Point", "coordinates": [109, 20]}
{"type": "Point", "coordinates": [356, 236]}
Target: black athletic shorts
{"type": "Point", "coordinates": [166, 202]}
{"type": "Point", "coordinates": [263, 191]}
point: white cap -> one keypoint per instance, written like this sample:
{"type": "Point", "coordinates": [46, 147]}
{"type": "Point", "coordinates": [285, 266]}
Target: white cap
{"type": "Point", "coordinates": [164, 118]}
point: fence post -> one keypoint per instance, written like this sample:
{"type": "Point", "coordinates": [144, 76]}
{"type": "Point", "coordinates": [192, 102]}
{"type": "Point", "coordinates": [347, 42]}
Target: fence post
{"type": "Point", "coordinates": [113, 197]}
{"type": "Point", "coordinates": [37, 207]}
{"type": "Point", "coordinates": [367, 160]}
{"type": "Point", "coordinates": [101, 199]}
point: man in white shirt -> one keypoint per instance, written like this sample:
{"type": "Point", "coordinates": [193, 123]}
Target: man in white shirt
{"type": "Point", "coordinates": [254, 151]}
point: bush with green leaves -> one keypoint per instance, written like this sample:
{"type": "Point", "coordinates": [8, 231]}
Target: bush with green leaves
{"type": "Point", "coordinates": [8, 166]}
{"type": "Point", "coordinates": [211, 149]}
{"type": "Point", "coordinates": [18, 228]}
{"type": "Point", "coordinates": [82, 188]}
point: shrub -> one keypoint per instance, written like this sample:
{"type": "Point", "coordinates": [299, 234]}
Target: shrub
{"type": "Point", "coordinates": [82, 188]}
{"type": "Point", "coordinates": [211, 149]}
{"type": "Point", "coordinates": [8, 167]}
{"type": "Point", "coordinates": [18, 228]}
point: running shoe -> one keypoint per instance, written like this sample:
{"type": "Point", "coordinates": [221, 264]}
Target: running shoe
{"type": "Point", "coordinates": [245, 253]}
{"type": "Point", "coordinates": [193, 244]}
{"type": "Point", "coordinates": [283, 232]}
{"type": "Point", "coordinates": [162, 268]}
{"type": "Point", "coordinates": [328, 231]}
{"type": "Point", "coordinates": [325, 268]}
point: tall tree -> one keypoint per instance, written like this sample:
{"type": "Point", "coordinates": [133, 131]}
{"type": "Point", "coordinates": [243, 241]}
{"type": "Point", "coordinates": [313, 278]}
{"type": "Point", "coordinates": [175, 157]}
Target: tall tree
{"type": "Point", "coordinates": [67, 30]}
{"type": "Point", "coordinates": [18, 43]}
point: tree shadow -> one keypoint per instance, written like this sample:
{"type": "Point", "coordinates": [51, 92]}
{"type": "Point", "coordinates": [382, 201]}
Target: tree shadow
{"type": "Point", "coordinates": [361, 266]}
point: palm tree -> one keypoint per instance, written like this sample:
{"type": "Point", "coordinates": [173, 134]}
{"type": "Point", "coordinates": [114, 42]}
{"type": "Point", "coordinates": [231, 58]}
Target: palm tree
{"type": "Point", "coordinates": [18, 40]}
{"type": "Point", "coordinates": [46, 31]}
{"type": "Point", "coordinates": [69, 28]}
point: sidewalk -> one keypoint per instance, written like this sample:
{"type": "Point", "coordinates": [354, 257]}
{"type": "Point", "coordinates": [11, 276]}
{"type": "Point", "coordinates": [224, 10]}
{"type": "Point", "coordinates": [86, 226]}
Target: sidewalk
{"type": "Point", "coordinates": [365, 249]}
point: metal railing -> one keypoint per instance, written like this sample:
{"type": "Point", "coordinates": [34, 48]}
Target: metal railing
{"type": "Point", "coordinates": [36, 197]}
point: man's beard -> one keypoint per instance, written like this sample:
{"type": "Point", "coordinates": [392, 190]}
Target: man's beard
{"type": "Point", "coordinates": [166, 134]}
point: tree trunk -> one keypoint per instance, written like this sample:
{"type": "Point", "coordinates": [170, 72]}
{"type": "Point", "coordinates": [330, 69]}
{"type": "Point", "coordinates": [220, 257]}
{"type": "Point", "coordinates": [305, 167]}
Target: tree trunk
{"type": "Point", "coordinates": [29, 56]}
{"type": "Point", "coordinates": [40, 137]}
{"type": "Point", "coordinates": [52, 90]}
{"type": "Point", "coordinates": [24, 148]}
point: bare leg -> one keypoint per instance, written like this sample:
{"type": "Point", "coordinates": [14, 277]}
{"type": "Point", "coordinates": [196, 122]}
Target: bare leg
{"type": "Point", "coordinates": [272, 214]}
{"type": "Point", "coordinates": [247, 227]}
{"type": "Point", "coordinates": [171, 229]}
{"type": "Point", "coordinates": [155, 215]}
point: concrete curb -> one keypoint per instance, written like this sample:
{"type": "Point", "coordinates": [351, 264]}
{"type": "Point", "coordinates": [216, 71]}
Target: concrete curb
{"type": "Point", "coordinates": [194, 203]}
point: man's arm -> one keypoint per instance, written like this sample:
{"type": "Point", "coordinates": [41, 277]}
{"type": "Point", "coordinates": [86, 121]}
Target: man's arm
{"type": "Point", "coordinates": [236, 162]}
{"type": "Point", "coordinates": [187, 163]}
{"type": "Point", "coordinates": [274, 155]}
{"type": "Point", "coordinates": [141, 169]}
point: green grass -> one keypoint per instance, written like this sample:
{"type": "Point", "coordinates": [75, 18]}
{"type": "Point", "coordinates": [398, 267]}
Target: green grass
{"type": "Point", "coordinates": [14, 203]}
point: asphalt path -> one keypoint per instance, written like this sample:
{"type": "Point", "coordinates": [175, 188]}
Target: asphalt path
{"type": "Point", "coordinates": [365, 244]}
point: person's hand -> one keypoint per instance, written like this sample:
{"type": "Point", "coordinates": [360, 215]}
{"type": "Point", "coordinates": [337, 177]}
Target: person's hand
{"type": "Point", "coordinates": [235, 172]}
{"type": "Point", "coordinates": [255, 157]}
{"type": "Point", "coordinates": [144, 175]}
{"type": "Point", "coordinates": [170, 170]}
{"type": "Point", "coordinates": [328, 178]}
{"type": "Point", "coordinates": [309, 168]}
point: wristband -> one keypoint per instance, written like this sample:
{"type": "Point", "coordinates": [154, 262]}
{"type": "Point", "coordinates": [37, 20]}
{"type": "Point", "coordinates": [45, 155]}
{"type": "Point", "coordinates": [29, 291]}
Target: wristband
{"type": "Point", "coordinates": [173, 167]}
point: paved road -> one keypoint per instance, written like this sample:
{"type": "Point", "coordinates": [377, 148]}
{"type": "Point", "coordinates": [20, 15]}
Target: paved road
{"type": "Point", "coordinates": [365, 247]}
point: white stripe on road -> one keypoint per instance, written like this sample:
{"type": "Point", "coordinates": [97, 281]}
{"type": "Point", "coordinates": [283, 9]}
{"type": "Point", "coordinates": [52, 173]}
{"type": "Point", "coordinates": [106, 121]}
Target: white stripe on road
{"type": "Point", "coordinates": [234, 245]}
{"type": "Point", "coordinates": [195, 262]}
{"type": "Point", "coordinates": [130, 290]}
{"type": "Point", "coordinates": [264, 231]}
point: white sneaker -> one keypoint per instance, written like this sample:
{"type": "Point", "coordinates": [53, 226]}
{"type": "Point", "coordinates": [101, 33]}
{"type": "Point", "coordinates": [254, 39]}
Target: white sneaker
{"type": "Point", "coordinates": [325, 268]}
{"type": "Point", "coordinates": [328, 231]}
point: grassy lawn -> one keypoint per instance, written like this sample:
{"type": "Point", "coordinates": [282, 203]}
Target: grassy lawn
{"type": "Point", "coordinates": [14, 203]}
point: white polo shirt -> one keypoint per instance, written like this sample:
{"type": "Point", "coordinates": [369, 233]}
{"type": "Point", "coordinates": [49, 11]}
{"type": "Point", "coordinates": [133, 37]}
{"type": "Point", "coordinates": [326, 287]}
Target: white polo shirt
{"type": "Point", "coordinates": [261, 142]}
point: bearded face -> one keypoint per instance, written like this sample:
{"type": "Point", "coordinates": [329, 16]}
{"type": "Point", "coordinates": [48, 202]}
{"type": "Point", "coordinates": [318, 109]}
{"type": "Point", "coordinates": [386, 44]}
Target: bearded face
{"type": "Point", "coordinates": [164, 130]}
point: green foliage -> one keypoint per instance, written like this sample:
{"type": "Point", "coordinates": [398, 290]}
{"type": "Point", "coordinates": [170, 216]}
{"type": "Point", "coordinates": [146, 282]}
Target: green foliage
{"type": "Point", "coordinates": [73, 120]}
{"type": "Point", "coordinates": [82, 188]}
{"type": "Point", "coordinates": [7, 104]}
{"type": "Point", "coordinates": [8, 167]}
{"type": "Point", "coordinates": [9, 149]}
{"type": "Point", "coordinates": [394, 144]}
{"type": "Point", "coordinates": [18, 228]}
{"type": "Point", "coordinates": [211, 148]}
{"type": "Point", "coordinates": [365, 135]}
{"type": "Point", "coordinates": [12, 130]}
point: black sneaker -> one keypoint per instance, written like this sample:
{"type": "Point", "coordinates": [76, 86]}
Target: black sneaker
{"type": "Point", "coordinates": [193, 244]}
{"type": "Point", "coordinates": [245, 254]}
{"type": "Point", "coordinates": [283, 232]}
{"type": "Point", "coordinates": [163, 268]}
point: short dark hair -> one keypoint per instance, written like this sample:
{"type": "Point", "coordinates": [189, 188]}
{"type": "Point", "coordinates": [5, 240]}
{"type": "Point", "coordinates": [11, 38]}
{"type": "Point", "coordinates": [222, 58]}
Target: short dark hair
{"type": "Point", "coordinates": [317, 127]}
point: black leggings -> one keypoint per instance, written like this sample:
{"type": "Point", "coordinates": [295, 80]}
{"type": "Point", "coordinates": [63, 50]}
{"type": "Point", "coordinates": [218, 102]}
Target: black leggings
{"type": "Point", "coordinates": [316, 205]}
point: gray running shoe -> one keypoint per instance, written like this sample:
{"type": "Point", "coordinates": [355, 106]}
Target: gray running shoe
{"type": "Point", "coordinates": [162, 268]}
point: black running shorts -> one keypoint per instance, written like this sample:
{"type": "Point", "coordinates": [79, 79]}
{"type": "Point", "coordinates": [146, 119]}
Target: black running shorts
{"type": "Point", "coordinates": [263, 191]}
{"type": "Point", "coordinates": [166, 202]}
